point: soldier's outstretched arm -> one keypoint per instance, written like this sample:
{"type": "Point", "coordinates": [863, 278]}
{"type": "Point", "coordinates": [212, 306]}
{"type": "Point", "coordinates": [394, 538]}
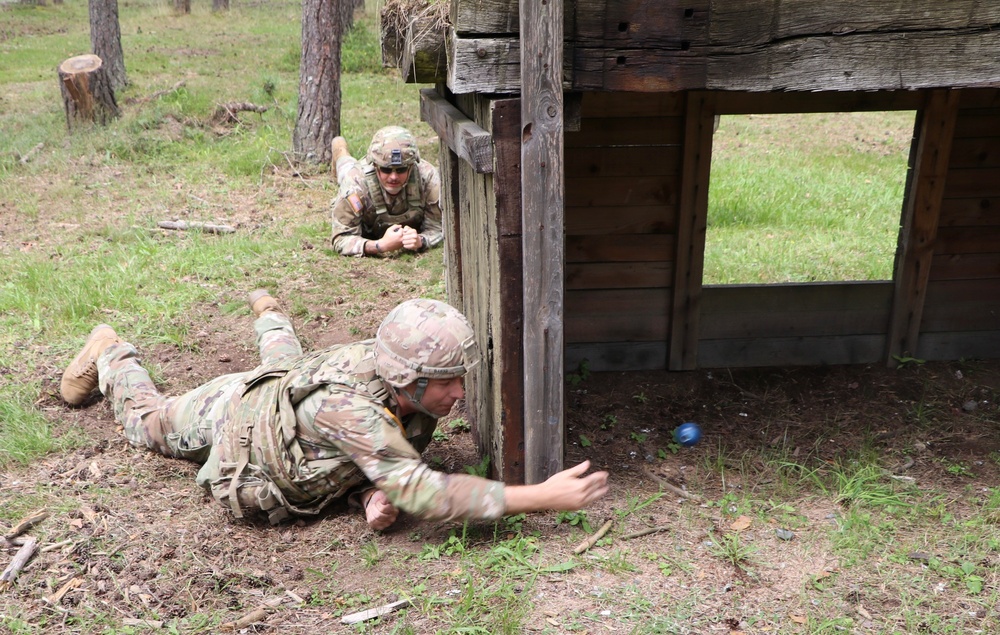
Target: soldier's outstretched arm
{"type": "Point", "coordinates": [568, 490]}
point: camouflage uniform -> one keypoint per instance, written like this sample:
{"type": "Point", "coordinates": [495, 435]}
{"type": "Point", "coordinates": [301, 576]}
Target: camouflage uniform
{"type": "Point", "coordinates": [299, 431]}
{"type": "Point", "coordinates": [363, 210]}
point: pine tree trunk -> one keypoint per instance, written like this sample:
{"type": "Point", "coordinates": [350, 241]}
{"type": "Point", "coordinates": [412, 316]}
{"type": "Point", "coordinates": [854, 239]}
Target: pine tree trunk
{"type": "Point", "coordinates": [220, 5]}
{"type": "Point", "coordinates": [86, 91]}
{"type": "Point", "coordinates": [106, 40]}
{"type": "Point", "coordinates": [182, 6]}
{"type": "Point", "coordinates": [319, 80]}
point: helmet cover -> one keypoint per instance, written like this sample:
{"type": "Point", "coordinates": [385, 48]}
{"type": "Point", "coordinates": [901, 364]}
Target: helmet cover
{"type": "Point", "coordinates": [424, 338]}
{"type": "Point", "coordinates": [393, 147]}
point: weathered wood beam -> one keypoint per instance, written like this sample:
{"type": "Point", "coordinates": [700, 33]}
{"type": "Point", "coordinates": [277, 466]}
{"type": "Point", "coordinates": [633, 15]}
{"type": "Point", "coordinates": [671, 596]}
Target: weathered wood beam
{"type": "Point", "coordinates": [935, 129]}
{"type": "Point", "coordinates": [691, 224]}
{"type": "Point", "coordinates": [852, 62]}
{"type": "Point", "coordinates": [423, 59]}
{"type": "Point", "coordinates": [543, 212]}
{"type": "Point", "coordinates": [458, 132]}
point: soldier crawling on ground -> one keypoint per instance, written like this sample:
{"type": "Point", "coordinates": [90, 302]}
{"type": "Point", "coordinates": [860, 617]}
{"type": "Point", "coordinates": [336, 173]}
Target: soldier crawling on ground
{"type": "Point", "coordinates": [387, 202]}
{"type": "Point", "coordinates": [302, 430]}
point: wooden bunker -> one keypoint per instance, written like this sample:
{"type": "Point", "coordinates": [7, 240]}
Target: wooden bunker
{"type": "Point", "coordinates": [564, 242]}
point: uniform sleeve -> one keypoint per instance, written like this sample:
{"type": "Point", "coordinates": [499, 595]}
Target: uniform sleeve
{"type": "Point", "coordinates": [431, 228]}
{"type": "Point", "coordinates": [372, 440]}
{"type": "Point", "coordinates": [347, 227]}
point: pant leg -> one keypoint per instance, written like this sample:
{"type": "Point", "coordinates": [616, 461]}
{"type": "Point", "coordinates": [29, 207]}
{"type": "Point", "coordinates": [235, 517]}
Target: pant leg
{"type": "Point", "coordinates": [276, 338]}
{"type": "Point", "coordinates": [182, 427]}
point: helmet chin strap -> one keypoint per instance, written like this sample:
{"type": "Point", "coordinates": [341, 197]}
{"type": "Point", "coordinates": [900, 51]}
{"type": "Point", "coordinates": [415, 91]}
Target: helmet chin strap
{"type": "Point", "coordinates": [415, 398]}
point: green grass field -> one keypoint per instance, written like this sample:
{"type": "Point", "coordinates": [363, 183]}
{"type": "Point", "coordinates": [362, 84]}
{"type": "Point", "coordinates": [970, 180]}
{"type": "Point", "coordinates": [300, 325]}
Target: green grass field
{"type": "Point", "coordinates": [806, 198]}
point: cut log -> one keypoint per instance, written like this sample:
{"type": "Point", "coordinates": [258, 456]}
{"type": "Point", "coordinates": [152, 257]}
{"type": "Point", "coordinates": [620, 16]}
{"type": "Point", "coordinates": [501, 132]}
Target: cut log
{"type": "Point", "coordinates": [86, 91]}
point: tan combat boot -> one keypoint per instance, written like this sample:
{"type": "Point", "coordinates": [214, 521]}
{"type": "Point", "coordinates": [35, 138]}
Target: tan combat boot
{"type": "Point", "coordinates": [339, 149]}
{"type": "Point", "coordinates": [261, 302]}
{"type": "Point", "coordinates": [80, 378]}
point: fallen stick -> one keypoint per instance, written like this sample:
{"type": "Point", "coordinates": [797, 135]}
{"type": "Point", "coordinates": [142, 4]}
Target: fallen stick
{"type": "Point", "coordinates": [183, 225]}
{"type": "Point", "coordinates": [26, 524]}
{"type": "Point", "coordinates": [20, 559]}
{"type": "Point", "coordinates": [256, 615]}
{"type": "Point", "coordinates": [156, 95]}
{"type": "Point", "coordinates": [55, 545]}
{"type": "Point", "coordinates": [671, 487]}
{"type": "Point", "coordinates": [57, 597]}
{"type": "Point", "coordinates": [590, 542]}
{"type": "Point", "coordinates": [30, 153]}
{"type": "Point", "coordinates": [370, 614]}
{"type": "Point", "coordinates": [131, 621]}
{"type": "Point", "coordinates": [226, 113]}
{"type": "Point", "coordinates": [645, 532]}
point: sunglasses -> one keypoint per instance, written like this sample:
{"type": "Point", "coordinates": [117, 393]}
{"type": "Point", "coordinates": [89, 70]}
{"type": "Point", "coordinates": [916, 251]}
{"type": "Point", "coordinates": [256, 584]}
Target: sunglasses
{"type": "Point", "coordinates": [394, 170]}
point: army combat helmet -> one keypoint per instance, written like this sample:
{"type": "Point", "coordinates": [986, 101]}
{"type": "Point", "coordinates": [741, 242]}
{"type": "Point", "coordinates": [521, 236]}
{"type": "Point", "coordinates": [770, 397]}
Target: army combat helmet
{"type": "Point", "coordinates": [393, 147]}
{"type": "Point", "coordinates": [421, 340]}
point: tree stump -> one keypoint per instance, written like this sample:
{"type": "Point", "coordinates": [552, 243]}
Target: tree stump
{"type": "Point", "coordinates": [86, 91]}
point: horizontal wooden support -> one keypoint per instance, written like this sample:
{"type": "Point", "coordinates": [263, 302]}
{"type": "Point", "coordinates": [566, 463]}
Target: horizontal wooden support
{"type": "Point", "coordinates": [627, 131]}
{"type": "Point", "coordinates": [740, 103]}
{"type": "Point", "coordinates": [970, 211]}
{"type": "Point", "coordinates": [974, 126]}
{"type": "Point", "coordinates": [967, 240]}
{"type": "Point", "coordinates": [621, 248]}
{"type": "Point", "coordinates": [965, 266]}
{"type": "Point", "coordinates": [617, 356]}
{"type": "Point", "coordinates": [615, 327]}
{"type": "Point", "coordinates": [959, 345]}
{"type": "Point", "coordinates": [462, 135]}
{"type": "Point", "coordinates": [620, 190]}
{"type": "Point", "coordinates": [609, 222]}
{"type": "Point", "coordinates": [982, 314]}
{"type": "Point", "coordinates": [978, 152]}
{"type": "Point", "coordinates": [857, 61]}
{"type": "Point", "coordinates": [647, 160]}
{"type": "Point", "coordinates": [619, 275]}
{"type": "Point", "coordinates": [791, 351]}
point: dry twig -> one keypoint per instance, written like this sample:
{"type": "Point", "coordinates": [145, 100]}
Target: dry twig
{"type": "Point", "coordinates": [371, 614]}
{"type": "Point", "coordinates": [226, 113]}
{"type": "Point", "coordinates": [20, 559]}
{"type": "Point", "coordinates": [183, 225]}
{"type": "Point", "coordinates": [665, 484]}
{"type": "Point", "coordinates": [645, 532]}
{"type": "Point", "coordinates": [26, 523]}
{"type": "Point", "coordinates": [590, 542]}
{"type": "Point", "coordinates": [256, 615]}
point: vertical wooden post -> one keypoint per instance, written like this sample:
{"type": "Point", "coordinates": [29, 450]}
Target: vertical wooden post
{"type": "Point", "coordinates": [692, 220]}
{"type": "Point", "coordinates": [543, 211]}
{"type": "Point", "coordinates": [935, 129]}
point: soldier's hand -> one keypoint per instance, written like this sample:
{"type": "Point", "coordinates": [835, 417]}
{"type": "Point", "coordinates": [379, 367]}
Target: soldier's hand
{"type": "Point", "coordinates": [393, 239]}
{"type": "Point", "coordinates": [379, 512]}
{"type": "Point", "coordinates": [568, 490]}
{"type": "Point", "coordinates": [412, 239]}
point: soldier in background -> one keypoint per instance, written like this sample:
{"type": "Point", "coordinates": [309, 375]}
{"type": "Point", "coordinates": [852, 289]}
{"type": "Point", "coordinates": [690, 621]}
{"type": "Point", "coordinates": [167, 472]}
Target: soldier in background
{"type": "Point", "coordinates": [304, 429]}
{"type": "Point", "coordinates": [387, 202]}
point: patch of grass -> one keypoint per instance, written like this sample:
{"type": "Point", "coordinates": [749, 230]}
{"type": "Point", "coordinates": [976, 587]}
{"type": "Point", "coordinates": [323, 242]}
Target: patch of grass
{"type": "Point", "coordinates": [25, 434]}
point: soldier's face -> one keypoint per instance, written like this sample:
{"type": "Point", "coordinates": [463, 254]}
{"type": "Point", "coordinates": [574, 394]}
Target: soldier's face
{"type": "Point", "coordinates": [441, 394]}
{"type": "Point", "coordinates": [393, 179]}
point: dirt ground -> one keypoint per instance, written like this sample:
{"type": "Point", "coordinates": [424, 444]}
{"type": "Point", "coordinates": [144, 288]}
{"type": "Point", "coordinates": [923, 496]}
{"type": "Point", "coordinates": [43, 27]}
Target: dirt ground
{"type": "Point", "coordinates": [132, 538]}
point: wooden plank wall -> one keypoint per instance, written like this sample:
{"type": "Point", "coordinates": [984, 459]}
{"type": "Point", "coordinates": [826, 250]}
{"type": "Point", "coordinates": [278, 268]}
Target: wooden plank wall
{"type": "Point", "coordinates": [962, 311]}
{"type": "Point", "coordinates": [623, 170]}
{"type": "Point", "coordinates": [490, 244]}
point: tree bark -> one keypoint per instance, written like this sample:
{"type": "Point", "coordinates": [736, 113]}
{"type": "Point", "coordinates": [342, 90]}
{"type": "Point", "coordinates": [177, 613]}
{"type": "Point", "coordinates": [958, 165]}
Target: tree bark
{"type": "Point", "coordinates": [220, 5]}
{"type": "Point", "coordinates": [182, 6]}
{"type": "Point", "coordinates": [106, 40]}
{"type": "Point", "coordinates": [319, 80]}
{"type": "Point", "coordinates": [86, 91]}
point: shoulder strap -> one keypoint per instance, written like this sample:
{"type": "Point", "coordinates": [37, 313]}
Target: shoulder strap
{"type": "Point", "coordinates": [375, 189]}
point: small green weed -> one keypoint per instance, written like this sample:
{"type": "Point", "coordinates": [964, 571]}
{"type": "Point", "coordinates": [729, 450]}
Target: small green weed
{"type": "Point", "coordinates": [585, 442]}
{"type": "Point", "coordinates": [459, 425]}
{"type": "Point", "coordinates": [731, 548]}
{"type": "Point", "coordinates": [640, 397]}
{"type": "Point", "coordinates": [482, 469]}
{"type": "Point", "coordinates": [576, 519]}
{"type": "Point", "coordinates": [581, 374]}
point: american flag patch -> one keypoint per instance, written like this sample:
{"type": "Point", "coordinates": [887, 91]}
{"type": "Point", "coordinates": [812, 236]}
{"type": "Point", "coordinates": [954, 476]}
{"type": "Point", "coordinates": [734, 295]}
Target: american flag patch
{"type": "Point", "coordinates": [355, 202]}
